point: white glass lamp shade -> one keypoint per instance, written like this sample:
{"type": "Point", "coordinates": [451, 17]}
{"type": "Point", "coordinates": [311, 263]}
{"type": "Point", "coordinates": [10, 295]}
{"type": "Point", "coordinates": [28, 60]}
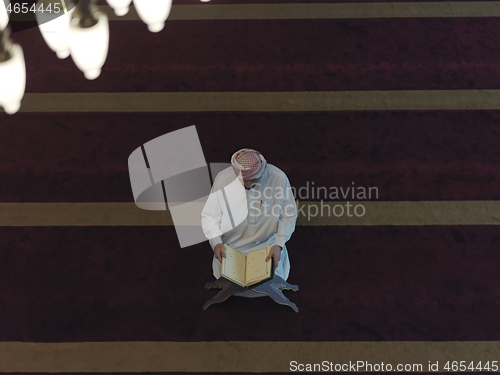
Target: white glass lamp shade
{"type": "Point", "coordinates": [4, 15]}
{"type": "Point", "coordinates": [89, 46]}
{"type": "Point", "coordinates": [121, 7]}
{"type": "Point", "coordinates": [153, 12]}
{"type": "Point", "coordinates": [55, 31]}
{"type": "Point", "coordinates": [12, 80]}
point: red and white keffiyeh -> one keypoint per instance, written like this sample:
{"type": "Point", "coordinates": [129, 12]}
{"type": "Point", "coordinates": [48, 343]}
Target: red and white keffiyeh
{"type": "Point", "coordinates": [250, 163]}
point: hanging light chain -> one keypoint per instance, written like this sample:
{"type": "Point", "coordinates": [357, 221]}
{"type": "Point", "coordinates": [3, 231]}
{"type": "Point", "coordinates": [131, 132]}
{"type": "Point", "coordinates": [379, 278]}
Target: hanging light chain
{"type": "Point", "coordinates": [85, 14]}
{"type": "Point", "coordinates": [5, 45]}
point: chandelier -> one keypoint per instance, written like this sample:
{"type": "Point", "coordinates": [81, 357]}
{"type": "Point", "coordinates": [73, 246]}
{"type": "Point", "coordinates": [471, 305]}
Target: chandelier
{"type": "Point", "coordinates": [70, 28]}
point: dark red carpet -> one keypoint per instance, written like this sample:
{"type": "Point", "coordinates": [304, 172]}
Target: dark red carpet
{"type": "Point", "coordinates": [365, 283]}
{"type": "Point", "coordinates": [267, 55]}
{"type": "Point", "coordinates": [407, 155]}
{"type": "Point", "coordinates": [356, 283]}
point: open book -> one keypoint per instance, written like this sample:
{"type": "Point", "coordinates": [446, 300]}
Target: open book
{"type": "Point", "coordinates": [249, 269]}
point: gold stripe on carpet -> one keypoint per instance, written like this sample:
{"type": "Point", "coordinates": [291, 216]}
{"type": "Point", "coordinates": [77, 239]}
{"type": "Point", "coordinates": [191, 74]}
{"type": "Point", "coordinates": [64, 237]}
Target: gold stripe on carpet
{"type": "Point", "coordinates": [262, 101]}
{"type": "Point", "coordinates": [324, 11]}
{"type": "Point", "coordinates": [310, 214]}
{"type": "Point", "coordinates": [313, 11]}
{"type": "Point", "coordinates": [235, 356]}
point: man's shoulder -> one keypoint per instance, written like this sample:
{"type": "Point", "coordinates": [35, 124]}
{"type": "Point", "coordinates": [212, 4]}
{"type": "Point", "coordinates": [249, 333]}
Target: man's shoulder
{"type": "Point", "coordinates": [225, 176]}
{"type": "Point", "coordinates": [226, 173]}
{"type": "Point", "coordinates": [275, 176]}
{"type": "Point", "coordinates": [274, 170]}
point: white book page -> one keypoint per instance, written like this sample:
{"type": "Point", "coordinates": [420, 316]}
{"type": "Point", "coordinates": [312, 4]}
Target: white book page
{"type": "Point", "coordinates": [233, 265]}
{"type": "Point", "coordinates": [258, 268]}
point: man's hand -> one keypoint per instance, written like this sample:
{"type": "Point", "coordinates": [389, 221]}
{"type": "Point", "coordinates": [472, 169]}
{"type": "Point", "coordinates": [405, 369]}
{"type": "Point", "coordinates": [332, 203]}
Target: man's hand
{"type": "Point", "coordinates": [219, 252]}
{"type": "Point", "coordinates": [274, 253]}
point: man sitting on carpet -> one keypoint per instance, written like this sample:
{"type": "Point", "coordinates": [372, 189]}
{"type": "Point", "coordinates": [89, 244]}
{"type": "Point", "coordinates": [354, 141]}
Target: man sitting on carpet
{"type": "Point", "coordinates": [271, 218]}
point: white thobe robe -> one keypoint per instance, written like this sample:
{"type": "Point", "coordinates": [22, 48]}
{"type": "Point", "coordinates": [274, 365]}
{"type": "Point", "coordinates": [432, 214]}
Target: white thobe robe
{"type": "Point", "coordinates": [271, 218]}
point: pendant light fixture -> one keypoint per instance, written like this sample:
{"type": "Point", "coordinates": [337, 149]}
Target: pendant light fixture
{"type": "Point", "coordinates": [88, 38]}
{"type": "Point", "coordinates": [121, 7]}
{"type": "Point", "coordinates": [12, 73]}
{"type": "Point", "coordinates": [154, 13]}
{"type": "Point", "coordinates": [54, 27]}
{"type": "Point", "coordinates": [4, 15]}
{"type": "Point", "coordinates": [78, 30]}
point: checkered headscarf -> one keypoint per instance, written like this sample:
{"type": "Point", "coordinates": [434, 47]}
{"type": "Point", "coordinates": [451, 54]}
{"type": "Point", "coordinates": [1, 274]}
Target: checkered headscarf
{"type": "Point", "coordinates": [250, 163]}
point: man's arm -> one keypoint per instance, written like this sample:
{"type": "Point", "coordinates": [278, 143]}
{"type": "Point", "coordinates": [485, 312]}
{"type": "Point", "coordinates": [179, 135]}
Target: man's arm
{"type": "Point", "coordinates": [211, 218]}
{"type": "Point", "coordinates": [288, 217]}
{"type": "Point", "coordinates": [286, 225]}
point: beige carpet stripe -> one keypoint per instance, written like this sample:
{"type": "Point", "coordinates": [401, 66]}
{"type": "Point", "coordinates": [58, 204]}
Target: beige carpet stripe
{"type": "Point", "coordinates": [402, 213]}
{"type": "Point", "coordinates": [324, 11]}
{"type": "Point", "coordinates": [310, 214]}
{"type": "Point", "coordinates": [239, 356]}
{"type": "Point", "coordinates": [313, 11]}
{"type": "Point", "coordinates": [261, 101]}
